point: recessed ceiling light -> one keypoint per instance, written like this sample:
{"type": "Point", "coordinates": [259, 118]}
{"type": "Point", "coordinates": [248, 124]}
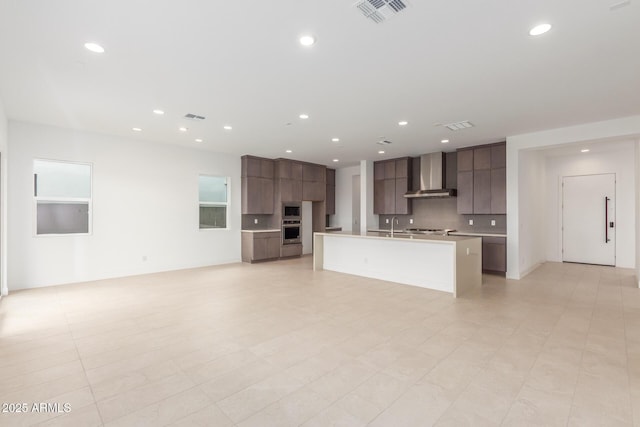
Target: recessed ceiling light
{"type": "Point", "coordinates": [403, 123]}
{"type": "Point", "coordinates": [94, 47]}
{"type": "Point", "coordinates": [183, 129]}
{"type": "Point", "coordinates": [381, 152]}
{"type": "Point", "coordinates": [136, 129]}
{"type": "Point", "coordinates": [307, 40]}
{"type": "Point", "coordinates": [198, 139]}
{"type": "Point", "coordinates": [539, 29]}
{"type": "Point", "coordinates": [335, 139]}
{"type": "Point", "coordinates": [288, 151]}
{"type": "Point", "coordinates": [584, 150]}
{"type": "Point", "coordinates": [444, 141]}
{"type": "Point", "coordinates": [227, 127]}
{"type": "Point", "coordinates": [304, 116]}
{"type": "Point", "coordinates": [336, 160]}
{"type": "Point", "coordinates": [158, 112]}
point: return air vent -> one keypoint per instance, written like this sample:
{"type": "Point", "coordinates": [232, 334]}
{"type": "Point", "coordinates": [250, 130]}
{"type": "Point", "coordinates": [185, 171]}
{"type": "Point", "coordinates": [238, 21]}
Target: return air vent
{"type": "Point", "coordinates": [459, 125]}
{"type": "Point", "coordinates": [193, 117]}
{"type": "Point", "coordinates": [380, 10]}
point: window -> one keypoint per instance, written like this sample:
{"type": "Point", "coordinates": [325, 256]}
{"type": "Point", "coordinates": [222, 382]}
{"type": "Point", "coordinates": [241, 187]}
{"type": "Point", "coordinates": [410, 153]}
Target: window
{"type": "Point", "coordinates": [62, 193]}
{"type": "Point", "coordinates": [214, 199]}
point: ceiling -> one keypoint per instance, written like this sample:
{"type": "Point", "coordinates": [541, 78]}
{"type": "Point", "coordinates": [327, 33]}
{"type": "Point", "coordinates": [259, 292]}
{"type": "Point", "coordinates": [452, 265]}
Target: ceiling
{"type": "Point", "coordinates": [239, 63]}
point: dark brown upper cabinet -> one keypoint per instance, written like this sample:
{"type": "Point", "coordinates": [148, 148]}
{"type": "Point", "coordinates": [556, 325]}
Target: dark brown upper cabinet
{"type": "Point", "coordinates": [392, 179]}
{"type": "Point", "coordinates": [257, 176]}
{"type": "Point", "coordinates": [482, 179]}
{"type": "Point", "coordinates": [331, 192]}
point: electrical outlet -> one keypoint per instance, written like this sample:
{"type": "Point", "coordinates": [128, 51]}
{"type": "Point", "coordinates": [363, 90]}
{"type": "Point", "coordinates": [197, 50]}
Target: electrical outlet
{"type": "Point", "coordinates": [386, 220]}
{"type": "Point", "coordinates": [410, 220]}
{"type": "Point", "coordinates": [255, 220]}
{"type": "Point", "coordinates": [493, 222]}
{"type": "Point", "coordinates": [470, 222]}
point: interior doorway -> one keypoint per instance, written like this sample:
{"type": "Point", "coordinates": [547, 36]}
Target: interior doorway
{"type": "Point", "coordinates": [588, 219]}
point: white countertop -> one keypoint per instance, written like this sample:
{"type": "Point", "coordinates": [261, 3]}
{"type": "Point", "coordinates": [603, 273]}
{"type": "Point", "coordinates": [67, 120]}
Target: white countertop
{"type": "Point", "coordinates": [383, 235]}
{"type": "Point", "coordinates": [274, 230]}
{"type": "Point", "coordinates": [468, 233]}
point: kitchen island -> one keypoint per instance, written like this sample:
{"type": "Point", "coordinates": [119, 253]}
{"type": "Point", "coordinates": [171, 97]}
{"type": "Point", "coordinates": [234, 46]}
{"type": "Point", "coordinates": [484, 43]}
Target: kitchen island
{"type": "Point", "coordinates": [445, 263]}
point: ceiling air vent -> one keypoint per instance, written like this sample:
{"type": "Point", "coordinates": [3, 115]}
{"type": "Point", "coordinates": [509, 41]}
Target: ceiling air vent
{"type": "Point", "coordinates": [380, 10]}
{"type": "Point", "coordinates": [459, 125]}
{"type": "Point", "coordinates": [384, 142]}
{"type": "Point", "coordinates": [193, 116]}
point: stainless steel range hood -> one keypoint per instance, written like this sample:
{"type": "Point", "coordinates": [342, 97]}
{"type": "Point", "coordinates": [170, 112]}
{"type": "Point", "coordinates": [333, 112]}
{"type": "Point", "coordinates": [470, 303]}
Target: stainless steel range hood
{"type": "Point", "coordinates": [432, 178]}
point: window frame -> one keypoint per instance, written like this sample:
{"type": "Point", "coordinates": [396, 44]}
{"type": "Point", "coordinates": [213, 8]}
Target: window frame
{"type": "Point", "coordinates": [215, 204]}
{"type": "Point", "coordinates": [69, 200]}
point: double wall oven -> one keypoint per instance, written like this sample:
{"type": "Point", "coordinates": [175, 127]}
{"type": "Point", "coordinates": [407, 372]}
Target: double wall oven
{"type": "Point", "coordinates": [291, 218]}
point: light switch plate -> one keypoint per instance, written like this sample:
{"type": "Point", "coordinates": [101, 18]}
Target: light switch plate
{"type": "Point", "coordinates": [470, 222]}
{"type": "Point", "coordinates": [493, 222]}
{"type": "Point", "coordinates": [410, 220]}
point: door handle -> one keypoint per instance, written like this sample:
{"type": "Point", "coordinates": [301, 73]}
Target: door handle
{"type": "Point", "coordinates": [606, 219]}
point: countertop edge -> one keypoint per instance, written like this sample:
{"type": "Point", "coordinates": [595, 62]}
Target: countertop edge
{"type": "Point", "coordinates": [464, 233]}
{"type": "Point", "coordinates": [275, 230]}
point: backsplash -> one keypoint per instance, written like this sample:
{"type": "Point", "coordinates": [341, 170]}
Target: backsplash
{"type": "Point", "coordinates": [443, 213]}
{"type": "Point", "coordinates": [264, 222]}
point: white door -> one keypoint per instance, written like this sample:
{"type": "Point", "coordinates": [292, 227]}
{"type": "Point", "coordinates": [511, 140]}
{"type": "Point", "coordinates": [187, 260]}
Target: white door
{"type": "Point", "coordinates": [588, 219]}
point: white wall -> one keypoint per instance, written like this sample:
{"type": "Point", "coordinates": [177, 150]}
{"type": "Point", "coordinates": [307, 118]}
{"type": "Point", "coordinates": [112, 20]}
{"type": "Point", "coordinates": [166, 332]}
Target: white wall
{"type": "Point", "coordinates": [4, 155]}
{"type": "Point", "coordinates": [622, 128]}
{"type": "Point", "coordinates": [145, 203]}
{"type": "Point", "coordinates": [637, 165]}
{"type": "Point", "coordinates": [532, 214]}
{"type": "Point", "coordinates": [344, 197]}
{"type": "Point", "coordinates": [622, 163]}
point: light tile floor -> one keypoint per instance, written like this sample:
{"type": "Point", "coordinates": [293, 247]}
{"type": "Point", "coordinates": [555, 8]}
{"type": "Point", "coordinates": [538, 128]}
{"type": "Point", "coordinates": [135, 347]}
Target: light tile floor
{"type": "Point", "coordinates": [277, 344]}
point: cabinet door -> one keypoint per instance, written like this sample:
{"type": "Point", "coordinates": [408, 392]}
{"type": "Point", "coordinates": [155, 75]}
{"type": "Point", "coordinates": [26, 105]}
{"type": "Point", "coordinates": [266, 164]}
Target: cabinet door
{"type": "Point", "coordinates": [378, 196]}
{"type": "Point", "coordinates": [266, 168]}
{"type": "Point", "coordinates": [378, 170]}
{"type": "Point", "coordinates": [403, 205]}
{"type": "Point", "coordinates": [494, 254]}
{"type": "Point", "coordinates": [465, 160]}
{"type": "Point", "coordinates": [331, 177]}
{"type": "Point", "coordinates": [499, 191]}
{"type": "Point", "coordinates": [251, 166]}
{"type": "Point", "coordinates": [482, 158]}
{"type": "Point", "coordinates": [283, 169]}
{"type": "Point", "coordinates": [273, 245]}
{"type": "Point", "coordinates": [389, 169]}
{"type": "Point", "coordinates": [296, 190]}
{"type": "Point", "coordinates": [259, 248]}
{"type": "Point", "coordinates": [330, 200]}
{"type": "Point", "coordinates": [313, 191]}
{"type": "Point", "coordinates": [251, 198]}
{"type": "Point", "coordinates": [286, 190]}
{"type": "Point", "coordinates": [296, 171]}
{"type": "Point", "coordinates": [402, 168]}
{"type": "Point", "coordinates": [482, 191]}
{"type": "Point", "coordinates": [465, 192]}
{"type": "Point", "coordinates": [499, 156]}
{"type": "Point", "coordinates": [389, 196]}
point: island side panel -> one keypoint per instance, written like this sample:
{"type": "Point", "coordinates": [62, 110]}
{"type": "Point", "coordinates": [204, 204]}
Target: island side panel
{"type": "Point", "coordinates": [318, 252]}
{"type": "Point", "coordinates": [468, 266]}
{"type": "Point", "coordinates": [425, 264]}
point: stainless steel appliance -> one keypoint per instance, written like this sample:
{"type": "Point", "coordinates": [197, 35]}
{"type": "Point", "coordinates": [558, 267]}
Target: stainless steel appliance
{"type": "Point", "coordinates": [437, 231]}
{"type": "Point", "coordinates": [291, 232]}
{"type": "Point", "coordinates": [291, 211]}
{"type": "Point", "coordinates": [433, 176]}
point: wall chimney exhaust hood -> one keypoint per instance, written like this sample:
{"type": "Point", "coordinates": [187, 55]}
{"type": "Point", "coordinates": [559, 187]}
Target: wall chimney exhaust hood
{"type": "Point", "coordinates": [433, 169]}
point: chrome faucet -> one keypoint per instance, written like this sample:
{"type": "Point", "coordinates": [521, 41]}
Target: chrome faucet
{"type": "Point", "coordinates": [392, 223]}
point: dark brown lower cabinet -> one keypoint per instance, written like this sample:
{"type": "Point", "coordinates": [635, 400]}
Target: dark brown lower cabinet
{"type": "Point", "coordinates": [259, 246]}
{"type": "Point", "coordinates": [291, 250]}
{"type": "Point", "coordinates": [494, 255]}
